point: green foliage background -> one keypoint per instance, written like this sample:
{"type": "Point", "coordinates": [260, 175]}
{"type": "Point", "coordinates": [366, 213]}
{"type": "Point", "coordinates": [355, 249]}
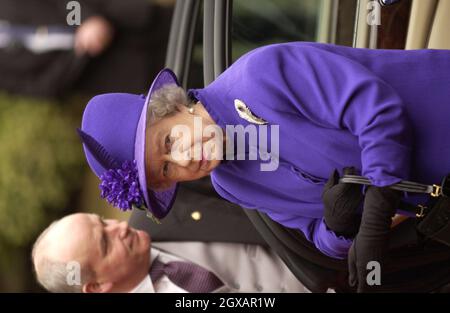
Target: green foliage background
{"type": "Point", "coordinates": [41, 163]}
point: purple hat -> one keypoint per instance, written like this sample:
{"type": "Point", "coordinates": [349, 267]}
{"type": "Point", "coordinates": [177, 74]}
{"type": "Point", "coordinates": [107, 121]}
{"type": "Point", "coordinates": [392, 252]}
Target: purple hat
{"type": "Point", "coordinates": [113, 134]}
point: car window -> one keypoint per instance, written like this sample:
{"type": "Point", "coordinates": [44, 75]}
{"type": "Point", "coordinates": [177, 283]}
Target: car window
{"type": "Point", "coordinates": [255, 23]}
{"type": "Point", "coordinates": [260, 22]}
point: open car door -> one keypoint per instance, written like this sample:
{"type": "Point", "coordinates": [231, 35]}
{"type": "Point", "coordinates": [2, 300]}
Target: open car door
{"type": "Point", "coordinates": [206, 37]}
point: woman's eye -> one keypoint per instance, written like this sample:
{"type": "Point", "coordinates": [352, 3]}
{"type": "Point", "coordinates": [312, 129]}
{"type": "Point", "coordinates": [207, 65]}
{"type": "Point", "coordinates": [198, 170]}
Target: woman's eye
{"type": "Point", "coordinates": [167, 143]}
{"type": "Point", "coordinates": [166, 169]}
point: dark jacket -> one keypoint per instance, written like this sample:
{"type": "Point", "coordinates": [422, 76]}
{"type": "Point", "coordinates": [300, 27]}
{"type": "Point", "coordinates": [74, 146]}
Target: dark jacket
{"type": "Point", "coordinates": [200, 214]}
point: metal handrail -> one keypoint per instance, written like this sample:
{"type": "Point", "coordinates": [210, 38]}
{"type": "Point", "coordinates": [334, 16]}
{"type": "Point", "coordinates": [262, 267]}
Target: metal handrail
{"type": "Point", "coordinates": [173, 36]}
{"type": "Point", "coordinates": [208, 41]}
{"type": "Point", "coordinates": [184, 39]}
{"type": "Point", "coordinates": [222, 30]}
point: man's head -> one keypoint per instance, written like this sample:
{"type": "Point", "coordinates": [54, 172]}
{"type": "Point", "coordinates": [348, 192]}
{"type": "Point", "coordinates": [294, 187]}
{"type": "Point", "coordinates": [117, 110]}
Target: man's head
{"type": "Point", "coordinates": [112, 256]}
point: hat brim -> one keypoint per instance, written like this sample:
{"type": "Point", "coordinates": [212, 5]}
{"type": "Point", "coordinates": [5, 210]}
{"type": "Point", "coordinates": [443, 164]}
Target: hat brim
{"type": "Point", "coordinates": [158, 203]}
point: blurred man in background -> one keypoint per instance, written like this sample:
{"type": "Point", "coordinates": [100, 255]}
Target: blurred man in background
{"type": "Point", "coordinates": [119, 46]}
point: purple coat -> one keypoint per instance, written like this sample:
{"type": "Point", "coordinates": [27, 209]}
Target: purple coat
{"type": "Point", "coordinates": [386, 112]}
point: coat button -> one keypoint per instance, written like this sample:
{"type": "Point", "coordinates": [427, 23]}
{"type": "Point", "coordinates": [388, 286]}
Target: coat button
{"type": "Point", "coordinates": [259, 287]}
{"type": "Point", "coordinates": [236, 286]}
{"type": "Point", "coordinates": [196, 215]}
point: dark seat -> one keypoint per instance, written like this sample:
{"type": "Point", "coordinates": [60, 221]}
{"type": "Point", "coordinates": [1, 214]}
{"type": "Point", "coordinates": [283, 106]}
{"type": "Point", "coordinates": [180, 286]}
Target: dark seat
{"type": "Point", "coordinates": [414, 266]}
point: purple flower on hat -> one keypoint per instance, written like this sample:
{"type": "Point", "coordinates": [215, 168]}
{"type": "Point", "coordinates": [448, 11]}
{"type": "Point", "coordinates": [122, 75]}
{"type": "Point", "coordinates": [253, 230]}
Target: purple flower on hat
{"type": "Point", "coordinates": [120, 186]}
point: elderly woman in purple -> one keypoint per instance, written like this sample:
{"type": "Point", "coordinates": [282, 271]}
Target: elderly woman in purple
{"type": "Point", "coordinates": [314, 108]}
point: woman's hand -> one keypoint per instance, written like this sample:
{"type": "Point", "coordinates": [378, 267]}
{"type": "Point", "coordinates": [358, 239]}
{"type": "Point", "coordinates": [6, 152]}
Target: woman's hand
{"type": "Point", "coordinates": [341, 202]}
{"type": "Point", "coordinates": [371, 243]}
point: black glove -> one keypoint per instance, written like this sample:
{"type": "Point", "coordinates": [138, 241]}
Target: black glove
{"type": "Point", "coordinates": [371, 243]}
{"type": "Point", "coordinates": [436, 224]}
{"type": "Point", "coordinates": [341, 202]}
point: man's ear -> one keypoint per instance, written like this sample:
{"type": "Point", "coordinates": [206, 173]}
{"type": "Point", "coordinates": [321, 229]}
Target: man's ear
{"type": "Point", "coordinates": [96, 287]}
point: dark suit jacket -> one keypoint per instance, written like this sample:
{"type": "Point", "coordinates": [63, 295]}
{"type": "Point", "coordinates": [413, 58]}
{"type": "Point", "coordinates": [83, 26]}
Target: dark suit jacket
{"type": "Point", "coordinates": [199, 214]}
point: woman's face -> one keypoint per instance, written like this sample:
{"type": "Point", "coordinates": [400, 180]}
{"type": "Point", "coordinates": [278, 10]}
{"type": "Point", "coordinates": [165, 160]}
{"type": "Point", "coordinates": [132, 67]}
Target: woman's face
{"type": "Point", "coordinates": [164, 167]}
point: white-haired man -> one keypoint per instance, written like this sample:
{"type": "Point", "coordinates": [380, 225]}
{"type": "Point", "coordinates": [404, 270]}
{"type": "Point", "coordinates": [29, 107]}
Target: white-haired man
{"type": "Point", "coordinates": [114, 257]}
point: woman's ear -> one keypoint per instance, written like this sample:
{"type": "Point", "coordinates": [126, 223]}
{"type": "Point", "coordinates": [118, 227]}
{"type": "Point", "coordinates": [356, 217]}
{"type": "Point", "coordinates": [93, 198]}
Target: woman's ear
{"type": "Point", "coordinates": [96, 287]}
{"type": "Point", "coordinates": [182, 108]}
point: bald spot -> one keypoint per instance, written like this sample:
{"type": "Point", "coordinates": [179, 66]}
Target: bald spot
{"type": "Point", "coordinates": [68, 240]}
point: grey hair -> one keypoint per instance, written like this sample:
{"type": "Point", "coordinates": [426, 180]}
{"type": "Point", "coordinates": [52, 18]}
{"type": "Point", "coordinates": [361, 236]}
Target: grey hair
{"type": "Point", "coordinates": [52, 274]}
{"type": "Point", "coordinates": [166, 100]}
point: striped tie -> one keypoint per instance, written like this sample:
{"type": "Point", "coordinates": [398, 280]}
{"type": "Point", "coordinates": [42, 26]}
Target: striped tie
{"type": "Point", "coordinates": [190, 277]}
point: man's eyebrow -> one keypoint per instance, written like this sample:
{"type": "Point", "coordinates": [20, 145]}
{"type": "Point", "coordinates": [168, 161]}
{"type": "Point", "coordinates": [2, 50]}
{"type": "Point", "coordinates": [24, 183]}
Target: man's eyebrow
{"type": "Point", "coordinates": [102, 237]}
{"type": "Point", "coordinates": [104, 243]}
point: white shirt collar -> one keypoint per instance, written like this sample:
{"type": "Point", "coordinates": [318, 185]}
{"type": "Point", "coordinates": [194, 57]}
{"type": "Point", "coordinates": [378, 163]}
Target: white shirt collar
{"type": "Point", "coordinates": [146, 285]}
